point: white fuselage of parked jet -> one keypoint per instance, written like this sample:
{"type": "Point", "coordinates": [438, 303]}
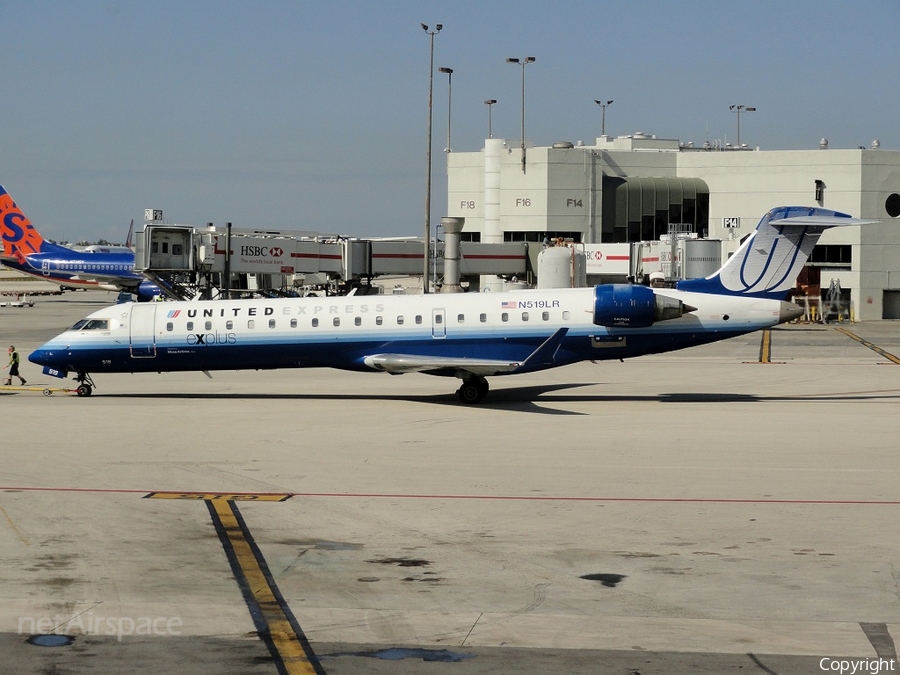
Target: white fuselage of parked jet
{"type": "Point", "coordinates": [468, 335]}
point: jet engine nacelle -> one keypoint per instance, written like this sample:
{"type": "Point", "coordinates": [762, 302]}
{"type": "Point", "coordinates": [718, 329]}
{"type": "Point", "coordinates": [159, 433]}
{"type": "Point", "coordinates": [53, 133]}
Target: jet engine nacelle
{"type": "Point", "coordinates": [146, 291]}
{"type": "Point", "coordinates": [630, 306]}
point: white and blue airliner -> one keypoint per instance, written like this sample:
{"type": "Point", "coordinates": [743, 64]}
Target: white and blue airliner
{"type": "Point", "coordinates": [470, 336]}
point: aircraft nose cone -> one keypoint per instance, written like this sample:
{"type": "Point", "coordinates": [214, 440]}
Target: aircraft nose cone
{"type": "Point", "coordinates": [789, 312]}
{"type": "Point", "coordinates": [41, 357]}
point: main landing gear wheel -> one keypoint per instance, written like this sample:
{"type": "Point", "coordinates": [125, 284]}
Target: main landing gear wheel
{"type": "Point", "coordinates": [472, 390]}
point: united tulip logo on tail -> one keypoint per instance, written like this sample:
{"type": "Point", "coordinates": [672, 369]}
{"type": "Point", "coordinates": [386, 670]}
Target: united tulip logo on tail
{"type": "Point", "coordinates": [18, 234]}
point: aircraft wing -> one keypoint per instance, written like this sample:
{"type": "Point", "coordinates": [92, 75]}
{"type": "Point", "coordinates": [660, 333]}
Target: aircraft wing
{"type": "Point", "coordinates": [116, 280]}
{"type": "Point", "coordinates": [411, 363]}
{"type": "Point", "coordinates": [99, 281]}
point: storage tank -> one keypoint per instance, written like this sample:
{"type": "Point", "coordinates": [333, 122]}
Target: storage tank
{"type": "Point", "coordinates": [452, 229]}
{"type": "Point", "coordinates": [702, 257]}
{"type": "Point", "coordinates": [561, 267]}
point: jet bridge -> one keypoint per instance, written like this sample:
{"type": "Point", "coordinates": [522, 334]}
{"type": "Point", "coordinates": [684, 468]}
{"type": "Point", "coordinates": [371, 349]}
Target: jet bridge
{"type": "Point", "coordinates": [188, 262]}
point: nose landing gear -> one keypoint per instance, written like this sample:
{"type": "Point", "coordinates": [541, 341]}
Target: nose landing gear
{"type": "Point", "coordinates": [85, 384]}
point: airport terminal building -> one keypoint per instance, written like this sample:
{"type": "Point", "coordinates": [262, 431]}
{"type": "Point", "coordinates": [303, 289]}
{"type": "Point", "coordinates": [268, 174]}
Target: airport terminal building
{"type": "Point", "coordinates": [640, 188]}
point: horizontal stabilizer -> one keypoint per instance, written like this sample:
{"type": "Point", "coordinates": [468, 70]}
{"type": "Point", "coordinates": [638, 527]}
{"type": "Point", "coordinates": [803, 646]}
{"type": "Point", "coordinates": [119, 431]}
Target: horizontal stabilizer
{"type": "Point", "coordinates": [770, 259]}
{"type": "Point", "coordinates": [819, 221]}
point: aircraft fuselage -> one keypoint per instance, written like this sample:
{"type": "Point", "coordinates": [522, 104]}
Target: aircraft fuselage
{"type": "Point", "coordinates": [343, 332]}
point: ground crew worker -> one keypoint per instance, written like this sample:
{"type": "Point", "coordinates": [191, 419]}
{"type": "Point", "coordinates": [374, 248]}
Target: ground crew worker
{"type": "Point", "coordinates": [13, 366]}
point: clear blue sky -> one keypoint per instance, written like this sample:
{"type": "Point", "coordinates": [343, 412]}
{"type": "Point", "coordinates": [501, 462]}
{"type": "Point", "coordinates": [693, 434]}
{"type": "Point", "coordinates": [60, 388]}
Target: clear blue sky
{"type": "Point", "coordinates": [313, 115]}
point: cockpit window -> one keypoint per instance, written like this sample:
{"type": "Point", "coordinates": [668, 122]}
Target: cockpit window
{"type": "Point", "coordinates": [91, 324]}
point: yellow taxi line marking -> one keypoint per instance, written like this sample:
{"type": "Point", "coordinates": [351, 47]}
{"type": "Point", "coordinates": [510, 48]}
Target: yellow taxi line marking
{"type": "Point", "coordinates": [765, 347]}
{"type": "Point", "coordinates": [274, 621]}
{"type": "Point", "coordinates": [865, 343]}
{"type": "Point", "coordinates": [15, 529]}
{"type": "Point", "coordinates": [223, 496]}
{"type": "Point", "coordinates": [46, 390]}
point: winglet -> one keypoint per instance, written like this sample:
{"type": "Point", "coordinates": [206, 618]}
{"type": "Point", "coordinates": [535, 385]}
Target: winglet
{"type": "Point", "coordinates": [545, 355]}
{"type": "Point", "coordinates": [18, 234]}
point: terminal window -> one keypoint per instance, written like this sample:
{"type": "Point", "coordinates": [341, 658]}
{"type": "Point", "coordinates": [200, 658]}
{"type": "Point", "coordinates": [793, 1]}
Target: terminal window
{"type": "Point", "coordinates": [539, 236]}
{"type": "Point", "coordinates": [832, 255]}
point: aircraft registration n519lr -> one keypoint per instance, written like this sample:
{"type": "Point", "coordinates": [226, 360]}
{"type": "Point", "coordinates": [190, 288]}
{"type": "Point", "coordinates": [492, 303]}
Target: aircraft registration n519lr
{"type": "Point", "coordinates": [469, 335]}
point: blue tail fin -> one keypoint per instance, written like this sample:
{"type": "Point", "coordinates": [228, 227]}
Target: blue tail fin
{"type": "Point", "coordinates": [770, 259]}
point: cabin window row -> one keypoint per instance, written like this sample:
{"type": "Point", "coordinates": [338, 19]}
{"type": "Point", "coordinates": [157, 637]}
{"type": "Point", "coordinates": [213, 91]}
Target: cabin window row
{"type": "Point", "coordinates": [379, 321]}
{"type": "Point", "coordinates": [91, 267]}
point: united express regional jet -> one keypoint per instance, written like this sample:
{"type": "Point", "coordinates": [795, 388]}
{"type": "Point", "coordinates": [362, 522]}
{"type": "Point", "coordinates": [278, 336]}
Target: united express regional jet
{"type": "Point", "coordinates": [470, 336]}
{"type": "Point", "coordinates": [25, 250]}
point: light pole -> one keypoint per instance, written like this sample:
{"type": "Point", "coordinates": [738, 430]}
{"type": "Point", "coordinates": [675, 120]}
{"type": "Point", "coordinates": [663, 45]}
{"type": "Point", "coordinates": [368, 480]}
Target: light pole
{"type": "Point", "coordinates": [449, 72]}
{"type": "Point", "coordinates": [739, 109]}
{"type": "Point", "coordinates": [490, 102]}
{"type": "Point", "coordinates": [523, 63]}
{"type": "Point", "coordinates": [603, 122]}
{"type": "Point", "coordinates": [426, 257]}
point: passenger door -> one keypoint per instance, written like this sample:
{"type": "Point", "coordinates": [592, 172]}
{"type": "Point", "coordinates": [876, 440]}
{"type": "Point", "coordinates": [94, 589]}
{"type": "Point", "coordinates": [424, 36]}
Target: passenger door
{"type": "Point", "coordinates": [142, 330]}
